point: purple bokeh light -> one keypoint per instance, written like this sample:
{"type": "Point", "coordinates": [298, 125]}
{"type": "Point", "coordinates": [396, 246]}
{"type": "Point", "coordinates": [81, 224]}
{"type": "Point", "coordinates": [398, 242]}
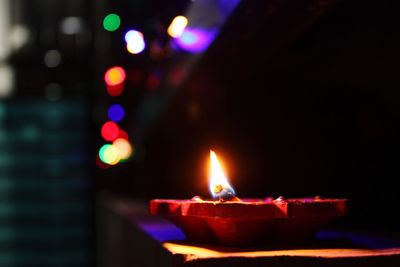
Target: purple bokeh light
{"type": "Point", "coordinates": [196, 40]}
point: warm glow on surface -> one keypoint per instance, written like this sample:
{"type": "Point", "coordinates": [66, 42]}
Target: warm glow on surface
{"type": "Point", "coordinates": [196, 253]}
{"type": "Point", "coordinates": [218, 182]}
{"type": "Point", "coordinates": [177, 26]}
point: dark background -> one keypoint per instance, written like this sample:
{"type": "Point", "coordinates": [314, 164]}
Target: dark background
{"type": "Point", "coordinates": [317, 115]}
{"type": "Point", "coordinates": [297, 98]}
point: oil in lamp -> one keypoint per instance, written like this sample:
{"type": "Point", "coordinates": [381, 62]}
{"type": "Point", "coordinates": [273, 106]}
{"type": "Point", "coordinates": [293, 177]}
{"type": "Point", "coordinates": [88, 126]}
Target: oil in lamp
{"type": "Point", "coordinates": [228, 220]}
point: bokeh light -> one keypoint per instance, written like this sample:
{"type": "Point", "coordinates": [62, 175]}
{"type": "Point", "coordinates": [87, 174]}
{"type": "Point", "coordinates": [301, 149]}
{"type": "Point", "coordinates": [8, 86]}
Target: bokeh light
{"type": "Point", "coordinates": [7, 78]}
{"type": "Point", "coordinates": [100, 163]}
{"type": "Point", "coordinates": [123, 134]}
{"type": "Point", "coordinates": [53, 91]}
{"type": "Point", "coordinates": [20, 35]}
{"type": "Point", "coordinates": [157, 51]}
{"type": "Point", "coordinates": [116, 112]}
{"type": "Point", "coordinates": [153, 81]}
{"type": "Point", "coordinates": [134, 42]}
{"type": "Point", "coordinates": [135, 76]}
{"type": "Point", "coordinates": [124, 148]}
{"type": "Point", "coordinates": [115, 90]}
{"type": "Point", "coordinates": [71, 25]}
{"type": "Point", "coordinates": [111, 22]}
{"type": "Point", "coordinates": [109, 131]}
{"type": "Point", "coordinates": [177, 26]}
{"type": "Point", "coordinates": [109, 154]}
{"type": "Point", "coordinates": [196, 40]}
{"type": "Point", "coordinates": [114, 76]}
{"type": "Point", "coordinates": [52, 58]}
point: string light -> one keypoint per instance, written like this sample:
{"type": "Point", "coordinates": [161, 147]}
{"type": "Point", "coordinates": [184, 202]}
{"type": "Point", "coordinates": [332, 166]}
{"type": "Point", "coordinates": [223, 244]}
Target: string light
{"type": "Point", "coordinates": [134, 42]}
{"type": "Point", "coordinates": [109, 131]}
{"type": "Point", "coordinates": [116, 112]}
{"type": "Point", "coordinates": [109, 154]}
{"type": "Point", "coordinates": [124, 148]}
{"type": "Point", "coordinates": [111, 22]}
{"type": "Point", "coordinates": [123, 134]}
{"type": "Point", "coordinates": [121, 149]}
{"type": "Point", "coordinates": [114, 76]}
{"type": "Point", "coordinates": [177, 26]}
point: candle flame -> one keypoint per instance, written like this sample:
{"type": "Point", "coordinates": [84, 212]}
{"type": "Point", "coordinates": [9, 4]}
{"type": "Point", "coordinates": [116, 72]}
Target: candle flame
{"type": "Point", "coordinates": [219, 186]}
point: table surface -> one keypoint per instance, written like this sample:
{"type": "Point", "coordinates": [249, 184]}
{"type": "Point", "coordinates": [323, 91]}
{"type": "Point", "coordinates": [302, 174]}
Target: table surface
{"type": "Point", "coordinates": [342, 247]}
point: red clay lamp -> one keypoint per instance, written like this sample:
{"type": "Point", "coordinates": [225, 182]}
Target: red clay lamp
{"type": "Point", "coordinates": [228, 220]}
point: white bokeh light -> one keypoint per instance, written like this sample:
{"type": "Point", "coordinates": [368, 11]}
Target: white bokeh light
{"type": "Point", "coordinates": [134, 42]}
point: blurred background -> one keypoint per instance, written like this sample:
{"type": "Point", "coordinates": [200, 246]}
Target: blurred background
{"type": "Point", "coordinates": [126, 98]}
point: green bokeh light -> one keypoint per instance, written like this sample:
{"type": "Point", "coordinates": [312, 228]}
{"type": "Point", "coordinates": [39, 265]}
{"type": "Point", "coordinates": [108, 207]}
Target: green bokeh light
{"type": "Point", "coordinates": [111, 22]}
{"type": "Point", "coordinates": [109, 154]}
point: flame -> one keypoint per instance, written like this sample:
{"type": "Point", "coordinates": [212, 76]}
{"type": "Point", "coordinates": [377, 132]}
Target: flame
{"type": "Point", "coordinates": [219, 185]}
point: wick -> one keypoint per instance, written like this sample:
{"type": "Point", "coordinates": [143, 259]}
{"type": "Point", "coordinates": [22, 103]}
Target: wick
{"type": "Point", "coordinates": [233, 198]}
{"type": "Point", "coordinates": [228, 196]}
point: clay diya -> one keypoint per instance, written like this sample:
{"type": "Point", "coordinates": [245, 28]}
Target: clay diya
{"type": "Point", "coordinates": [238, 222]}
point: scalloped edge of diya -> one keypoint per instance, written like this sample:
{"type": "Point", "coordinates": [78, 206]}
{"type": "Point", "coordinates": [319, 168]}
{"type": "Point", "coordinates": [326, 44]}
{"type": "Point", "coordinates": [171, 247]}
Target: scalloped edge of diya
{"type": "Point", "coordinates": [250, 221]}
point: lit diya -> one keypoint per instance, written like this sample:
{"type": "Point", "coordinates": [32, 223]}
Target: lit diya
{"type": "Point", "coordinates": [229, 220]}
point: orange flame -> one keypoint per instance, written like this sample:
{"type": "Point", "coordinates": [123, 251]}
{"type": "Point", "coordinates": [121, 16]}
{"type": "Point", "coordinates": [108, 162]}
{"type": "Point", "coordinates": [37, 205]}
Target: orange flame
{"type": "Point", "coordinates": [218, 183]}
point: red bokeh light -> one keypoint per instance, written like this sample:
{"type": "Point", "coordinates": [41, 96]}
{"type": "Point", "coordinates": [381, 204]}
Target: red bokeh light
{"type": "Point", "coordinates": [115, 90]}
{"type": "Point", "coordinates": [110, 131]}
{"type": "Point", "coordinates": [135, 76]}
{"type": "Point", "coordinates": [101, 164]}
{"type": "Point", "coordinates": [153, 81]}
{"type": "Point", "coordinates": [123, 134]}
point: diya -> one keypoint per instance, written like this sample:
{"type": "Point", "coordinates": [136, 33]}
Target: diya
{"type": "Point", "coordinates": [237, 222]}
